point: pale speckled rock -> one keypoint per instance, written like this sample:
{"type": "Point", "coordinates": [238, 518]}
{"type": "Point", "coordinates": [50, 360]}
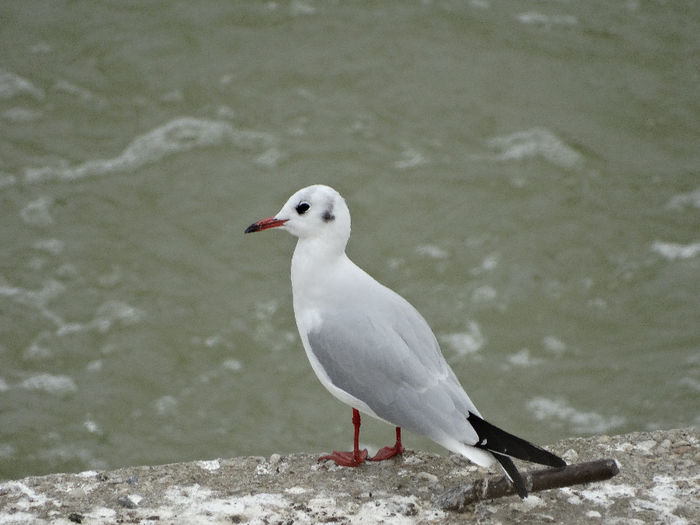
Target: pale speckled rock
{"type": "Point", "coordinates": [659, 482]}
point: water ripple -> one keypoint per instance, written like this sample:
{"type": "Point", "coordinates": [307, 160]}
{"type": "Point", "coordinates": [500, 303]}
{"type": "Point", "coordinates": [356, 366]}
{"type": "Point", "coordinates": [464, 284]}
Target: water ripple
{"type": "Point", "coordinates": [534, 143]}
{"type": "Point", "coordinates": [177, 136]}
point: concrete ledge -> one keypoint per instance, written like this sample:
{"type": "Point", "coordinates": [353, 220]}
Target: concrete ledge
{"type": "Point", "coordinates": [659, 482]}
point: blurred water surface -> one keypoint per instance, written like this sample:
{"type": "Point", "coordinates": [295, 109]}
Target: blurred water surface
{"type": "Point", "coordinates": [525, 173]}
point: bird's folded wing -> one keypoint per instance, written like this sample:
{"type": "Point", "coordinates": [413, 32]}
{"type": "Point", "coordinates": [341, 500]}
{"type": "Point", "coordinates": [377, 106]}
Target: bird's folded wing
{"type": "Point", "coordinates": [391, 361]}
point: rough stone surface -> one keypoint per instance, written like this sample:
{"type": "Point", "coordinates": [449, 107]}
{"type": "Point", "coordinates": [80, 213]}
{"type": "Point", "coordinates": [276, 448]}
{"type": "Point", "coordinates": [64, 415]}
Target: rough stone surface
{"type": "Point", "coordinates": [659, 482]}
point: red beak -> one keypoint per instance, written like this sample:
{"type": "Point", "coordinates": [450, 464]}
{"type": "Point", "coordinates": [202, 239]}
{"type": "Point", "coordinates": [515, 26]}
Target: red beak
{"type": "Point", "coordinates": [265, 224]}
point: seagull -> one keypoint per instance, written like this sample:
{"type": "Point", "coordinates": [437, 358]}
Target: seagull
{"type": "Point", "coordinates": [373, 351]}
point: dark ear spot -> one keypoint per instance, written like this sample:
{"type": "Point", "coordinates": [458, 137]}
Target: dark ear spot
{"type": "Point", "coordinates": [328, 216]}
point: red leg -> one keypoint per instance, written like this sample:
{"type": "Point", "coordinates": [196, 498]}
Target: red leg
{"type": "Point", "coordinates": [357, 456]}
{"type": "Point", "coordinates": [390, 452]}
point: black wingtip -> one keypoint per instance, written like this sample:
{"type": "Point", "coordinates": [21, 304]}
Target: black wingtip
{"type": "Point", "coordinates": [499, 441]}
{"type": "Point", "coordinates": [513, 474]}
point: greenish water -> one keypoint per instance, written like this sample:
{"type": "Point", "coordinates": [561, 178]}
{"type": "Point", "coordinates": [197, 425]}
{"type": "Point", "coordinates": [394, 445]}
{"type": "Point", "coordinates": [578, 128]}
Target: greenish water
{"type": "Point", "coordinates": [525, 173]}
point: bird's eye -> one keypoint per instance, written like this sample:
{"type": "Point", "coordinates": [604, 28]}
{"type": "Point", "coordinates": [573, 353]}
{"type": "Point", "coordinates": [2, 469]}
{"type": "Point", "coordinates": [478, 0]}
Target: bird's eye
{"type": "Point", "coordinates": [303, 207]}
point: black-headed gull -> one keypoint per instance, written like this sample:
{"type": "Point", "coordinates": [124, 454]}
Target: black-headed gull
{"type": "Point", "coordinates": [373, 350]}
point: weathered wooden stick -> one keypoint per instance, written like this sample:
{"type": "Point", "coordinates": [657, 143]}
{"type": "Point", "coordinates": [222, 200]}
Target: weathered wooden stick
{"type": "Point", "coordinates": [460, 497]}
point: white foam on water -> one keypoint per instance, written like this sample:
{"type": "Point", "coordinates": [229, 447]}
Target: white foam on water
{"type": "Point", "coordinates": [264, 310]}
{"type": "Point", "coordinates": [107, 315]}
{"type": "Point", "coordinates": [51, 384]}
{"type": "Point", "coordinates": [81, 94]}
{"type": "Point", "coordinates": [7, 450]}
{"type": "Point", "coordinates": [673, 251]}
{"type": "Point", "coordinates": [91, 426]}
{"type": "Point", "coordinates": [534, 143]}
{"type": "Point", "coordinates": [7, 180]}
{"type": "Point", "coordinates": [432, 251]}
{"type": "Point", "coordinates": [21, 115]}
{"type": "Point", "coordinates": [554, 345]}
{"type": "Point", "coordinates": [111, 278]}
{"type": "Point", "coordinates": [586, 422]}
{"type": "Point", "coordinates": [37, 212]}
{"type": "Point", "coordinates": [111, 312]}
{"type": "Point", "coordinates": [36, 350]}
{"type": "Point", "coordinates": [4, 387]}
{"type": "Point", "coordinates": [541, 19]}
{"type": "Point", "coordinates": [176, 96]}
{"type": "Point", "coordinates": [38, 299]}
{"type": "Point", "coordinates": [690, 383]}
{"type": "Point", "coordinates": [685, 200]}
{"type": "Point", "coordinates": [468, 342]}
{"type": "Point", "coordinates": [484, 294]}
{"type": "Point", "coordinates": [40, 48]}
{"type": "Point", "coordinates": [490, 262]}
{"type": "Point", "coordinates": [410, 158]}
{"type": "Point", "coordinates": [523, 358]}
{"type": "Point", "coordinates": [52, 246]}
{"type": "Point", "coordinates": [165, 405]}
{"type": "Point", "coordinates": [215, 340]}
{"type": "Point", "coordinates": [234, 365]}
{"type": "Point", "coordinates": [270, 157]}
{"type": "Point", "coordinates": [12, 85]}
{"type": "Point", "coordinates": [225, 112]}
{"type": "Point", "coordinates": [299, 8]}
{"type": "Point", "coordinates": [95, 365]}
{"type": "Point", "coordinates": [480, 4]}
{"type": "Point", "coordinates": [177, 136]}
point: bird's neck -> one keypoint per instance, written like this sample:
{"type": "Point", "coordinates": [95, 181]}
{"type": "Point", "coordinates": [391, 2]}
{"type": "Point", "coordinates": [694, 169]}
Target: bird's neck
{"type": "Point", "coordinates": [313, 265]}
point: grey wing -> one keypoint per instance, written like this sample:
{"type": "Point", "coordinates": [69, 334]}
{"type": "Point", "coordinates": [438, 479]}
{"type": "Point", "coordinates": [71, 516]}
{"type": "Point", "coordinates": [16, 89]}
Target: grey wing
{"type": "Point", "coordinates": [390, 360]}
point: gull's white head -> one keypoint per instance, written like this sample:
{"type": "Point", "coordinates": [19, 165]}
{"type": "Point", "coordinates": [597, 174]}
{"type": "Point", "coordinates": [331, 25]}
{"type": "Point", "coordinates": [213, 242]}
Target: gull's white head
{"type": "Point", "coordinates": [314, 212]}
